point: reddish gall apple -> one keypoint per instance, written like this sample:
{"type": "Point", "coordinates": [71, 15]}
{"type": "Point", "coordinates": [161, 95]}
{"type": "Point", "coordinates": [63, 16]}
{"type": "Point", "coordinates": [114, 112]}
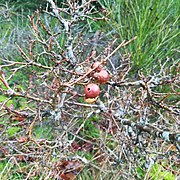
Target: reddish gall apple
{"type": "Point", "coordinates": [101, 77]}
{"type": "Point", "coordinates": [91, 90]}
{"type": "Point", "coordinates": [97, 77]}
{"type": "Point", "coordinates": [98, 66]}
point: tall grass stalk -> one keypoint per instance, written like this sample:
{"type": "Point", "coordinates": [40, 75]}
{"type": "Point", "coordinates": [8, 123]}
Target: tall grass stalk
{"type": "Point", "coordinates": [155, 22]}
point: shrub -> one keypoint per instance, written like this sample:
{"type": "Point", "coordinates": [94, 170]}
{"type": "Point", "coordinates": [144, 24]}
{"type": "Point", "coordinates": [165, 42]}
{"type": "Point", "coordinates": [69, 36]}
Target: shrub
{"type": "Point", "coordinates": [48, 129]}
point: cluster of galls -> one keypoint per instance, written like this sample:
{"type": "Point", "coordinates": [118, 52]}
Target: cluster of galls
{"type": "Point", "coordinates": [100, 76]}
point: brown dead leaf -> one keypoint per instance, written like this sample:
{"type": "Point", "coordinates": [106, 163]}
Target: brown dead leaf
{"type": "Point", "coordinates": [17, 118]}
{"type": "Point", "coordinates": [67, 176]}
{"type": "Point", "coordinates": [75, 146]}
{"type": "Point", "coordinates": [22, 139]}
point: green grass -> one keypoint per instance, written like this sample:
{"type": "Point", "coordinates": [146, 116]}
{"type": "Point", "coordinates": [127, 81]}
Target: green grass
{"type": "Point", "coordinates": [154, 22]}
{"type": "Point", "coordinates": [27, 6]}
{"type": "Point", "coordinates": [157, 172]}
{"type": "Point", "coordinates": [13, 27]}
